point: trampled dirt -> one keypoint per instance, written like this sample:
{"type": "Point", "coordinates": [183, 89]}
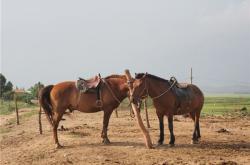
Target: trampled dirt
{"type": "Point", "coordinates": [82, 142]}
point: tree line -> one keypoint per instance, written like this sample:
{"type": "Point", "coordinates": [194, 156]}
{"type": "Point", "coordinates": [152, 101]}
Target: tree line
{"type": "Point", "coordinates": [7, 91]}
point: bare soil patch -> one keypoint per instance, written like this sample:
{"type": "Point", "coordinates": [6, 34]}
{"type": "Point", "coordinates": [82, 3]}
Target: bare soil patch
{"type": "Point", "coordinates": [224, 141]}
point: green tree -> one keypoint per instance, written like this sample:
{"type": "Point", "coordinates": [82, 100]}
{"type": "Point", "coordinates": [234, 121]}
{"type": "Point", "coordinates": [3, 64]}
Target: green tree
{"type": "Point", "coordinates": [34, 89]}
{"type": "Point", "coordinates": [9, 95]}
{"type": "Point", "coordinates": [2, 84]}
{"type": "Point", "coordinates": [5, 87]}
{"type": "Point", "coordinates": [8, 87]}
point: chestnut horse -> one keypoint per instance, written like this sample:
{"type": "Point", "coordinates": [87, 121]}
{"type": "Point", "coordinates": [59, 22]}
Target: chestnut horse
{"type": "Point", "coordinates": [56, 99]}
{"type": "Point", "coordinates": [169, 100]}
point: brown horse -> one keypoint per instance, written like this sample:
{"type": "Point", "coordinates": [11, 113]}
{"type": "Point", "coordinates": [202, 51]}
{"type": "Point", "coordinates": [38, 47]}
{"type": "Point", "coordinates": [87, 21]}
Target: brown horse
{"type": "Point", "coordinates": [56, 99]}
{"type": "Point", "coordinates": [169, 100]}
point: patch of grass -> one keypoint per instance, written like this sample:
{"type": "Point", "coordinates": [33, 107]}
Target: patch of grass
{"type": "Point", "coordinates": [6, 128]}
{"type": "Point", "coordinates": [217, 104]}
{"type": "Point", "coordinates": [227, 104]}
{"type": "Point", "coordinates": [7, 107]}
{"type": "Point", "coordinates": [29, 114]}
{"type": "Point", "coordinates": [75, 134]}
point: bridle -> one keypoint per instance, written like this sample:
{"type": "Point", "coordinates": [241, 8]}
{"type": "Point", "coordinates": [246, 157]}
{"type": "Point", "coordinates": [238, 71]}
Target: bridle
{"type": "Point", "coordinates": [141, 96]}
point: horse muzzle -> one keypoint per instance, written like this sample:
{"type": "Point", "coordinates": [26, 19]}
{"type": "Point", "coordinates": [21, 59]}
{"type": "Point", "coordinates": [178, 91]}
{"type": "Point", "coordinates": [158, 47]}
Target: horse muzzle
{"type": "Point", "coordinates": [137, 101]}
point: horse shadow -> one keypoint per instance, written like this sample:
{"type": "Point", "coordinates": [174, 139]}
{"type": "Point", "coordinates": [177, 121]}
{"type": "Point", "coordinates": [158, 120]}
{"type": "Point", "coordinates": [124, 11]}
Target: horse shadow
{"type": "Point", "coordinates": [112, 144]}
{"type": "Point", "coordinates": [233, 145]}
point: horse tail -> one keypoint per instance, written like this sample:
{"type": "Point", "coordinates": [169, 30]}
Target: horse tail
{"type": "Point", "coordinates": [45, 102]}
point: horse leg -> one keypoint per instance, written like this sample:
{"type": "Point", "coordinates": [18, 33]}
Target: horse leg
{"type": "Point", "coordinates": [196, 132]}
{"type": "Point", "coordinates": [104, 135]}
{"type": "Point", "coordinates": [197, 124]}
{"type": "Point", "coordinates": [161, 124]}
{"type": "Point", "coordinates": [56, 119]}
{"type": "Point", "coordinates": [194, 138]}
{"type": "Point", "coordinates": [171, 130]}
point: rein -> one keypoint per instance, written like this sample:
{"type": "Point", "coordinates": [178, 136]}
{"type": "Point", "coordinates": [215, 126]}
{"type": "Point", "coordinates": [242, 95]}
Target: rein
{"type": "Point", "coordinates": [156, 97]}
{"type": "Point", "coordinates": [131, 113]}
{"type": "Point", "coordinates": [111, 91]}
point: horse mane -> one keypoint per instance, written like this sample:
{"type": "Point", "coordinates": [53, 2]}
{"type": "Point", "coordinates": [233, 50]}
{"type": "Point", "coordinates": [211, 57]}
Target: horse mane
{"type": "Point", "coordinates": [115, 76]}
{"type": "Point", "coordinates": [140, 75]}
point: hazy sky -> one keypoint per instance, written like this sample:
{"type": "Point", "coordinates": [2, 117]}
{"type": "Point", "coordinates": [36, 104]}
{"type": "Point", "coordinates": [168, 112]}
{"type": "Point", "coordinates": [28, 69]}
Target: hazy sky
{"type": "Point", "coordinates": [56, 40]}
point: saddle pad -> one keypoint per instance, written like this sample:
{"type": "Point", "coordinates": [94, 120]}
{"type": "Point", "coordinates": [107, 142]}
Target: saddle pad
{"type": "Point", "coordinates": [183, 94]}
{"type": "Point", "coordinates": [182, 85]}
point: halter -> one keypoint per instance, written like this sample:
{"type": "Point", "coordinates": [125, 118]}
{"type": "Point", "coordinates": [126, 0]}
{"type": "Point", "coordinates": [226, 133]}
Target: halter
{"type": "Point", "coordinates": [141, 96]}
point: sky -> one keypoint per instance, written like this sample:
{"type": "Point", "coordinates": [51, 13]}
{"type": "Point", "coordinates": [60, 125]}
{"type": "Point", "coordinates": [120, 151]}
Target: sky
{"type": "Point", "coordinates": [57, 40]}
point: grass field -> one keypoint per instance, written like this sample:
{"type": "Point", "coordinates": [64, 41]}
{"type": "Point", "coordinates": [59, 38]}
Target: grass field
{"type": "Point", "coordinates": [7, 107]}
{"type": "Point", "coordinates": [215, 104]}
{"type": "Point", "coordinates": [220, 104]}
{"type": "Point", "coordinates": [224, 104]}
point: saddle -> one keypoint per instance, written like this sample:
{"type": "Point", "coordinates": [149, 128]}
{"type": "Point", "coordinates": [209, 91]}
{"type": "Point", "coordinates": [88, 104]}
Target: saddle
{"type": "Point", "coordinates": [177, 84]}
{"type": "Point", "coordinates": [182, 85]}
{"type": "Point", "coordinates": [91, 85]}
{"type": "Point", "coordinates": [182, 92]}
{"type": "Point", "coordinates": [88, 85]}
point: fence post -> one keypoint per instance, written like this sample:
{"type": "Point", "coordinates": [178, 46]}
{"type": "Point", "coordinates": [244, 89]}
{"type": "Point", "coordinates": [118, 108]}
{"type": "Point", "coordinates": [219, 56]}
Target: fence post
{"type": "Point", "coordinates": [40, 110]}
{"type": "Point", "coordinates": [116, 113]}
{"type": "Point", "coordinates": [138, 116]}
{"type": "Point", "coordinates": [17, 114]}
{"type": "Point", "coordinates": [146, 111]}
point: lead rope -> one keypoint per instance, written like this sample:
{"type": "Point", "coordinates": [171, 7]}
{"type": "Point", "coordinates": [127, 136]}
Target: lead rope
{"type": "Point", "coordinates": [80, 94]}
{"type": "Point", "coordinates": [156, 97]}
{"type": "Point", "coordinates": [110, 90]}
{"type": "Point", "coordinates": [131, 113]}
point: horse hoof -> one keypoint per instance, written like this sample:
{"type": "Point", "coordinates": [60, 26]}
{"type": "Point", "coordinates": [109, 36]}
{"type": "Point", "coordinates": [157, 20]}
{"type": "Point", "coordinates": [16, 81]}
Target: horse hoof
{"type": "Point", "coordinates": [59, 146]}
{"type": "Point", "coordinates": [151, 147]}
{"type": "Point", "coordinates": [195, 142]}
{"type": "Point", "coordinates": [158, 144]}
{"type": "Point", "coordinates": [171, 145]}
{"type": "Point", "coordinates": [106, 141]}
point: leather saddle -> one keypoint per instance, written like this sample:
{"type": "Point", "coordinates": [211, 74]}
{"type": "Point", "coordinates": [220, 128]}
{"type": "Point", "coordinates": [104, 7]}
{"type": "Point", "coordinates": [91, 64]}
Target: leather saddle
{"type": "Point", "coordinates": [182, 92]}
{"type": "Point", "coordinates": [177, 84]}
{"type": "Point", "coordinates": [88, 85]}
{"type": "Point", "coordinates": [91, 85]}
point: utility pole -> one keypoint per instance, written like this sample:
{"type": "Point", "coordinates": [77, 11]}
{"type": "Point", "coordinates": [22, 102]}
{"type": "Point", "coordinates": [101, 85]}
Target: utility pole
{"type": "Point", "coordinates": [191, 76]}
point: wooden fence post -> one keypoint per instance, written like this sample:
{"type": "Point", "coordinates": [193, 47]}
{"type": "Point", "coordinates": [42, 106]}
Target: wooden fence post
{"type": "Point", "coordinates": [138, 116]}
{"type": "Point", "coordinates": [146, 111]}
{"type": "Point", "coordinates": [40, 110]}
{"type": "Point", "coordinates": [116, 113]}
{"type": "Point", "coordinates": [17, 114]}
{"type": "Point", "coordinates": [39, 120]}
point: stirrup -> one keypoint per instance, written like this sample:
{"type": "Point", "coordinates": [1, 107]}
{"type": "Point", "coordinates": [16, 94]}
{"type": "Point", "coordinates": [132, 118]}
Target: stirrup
{"type": "Point", "coordinates": [99, 103]}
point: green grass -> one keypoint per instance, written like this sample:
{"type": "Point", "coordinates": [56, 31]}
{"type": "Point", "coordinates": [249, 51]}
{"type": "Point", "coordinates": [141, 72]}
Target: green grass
{"type": "Point", "coordinates": [7, 107]}
{"type": "Point", "coordinates": [4, 130]}
{"type": "Point", "coordinates": [12, 121]}
{"type": "Point", "coordinates": [226, 104]}
{"type": "Point", "coordinates": [218, 104]}
{"type": "Point", "coordinates": [215, 104]}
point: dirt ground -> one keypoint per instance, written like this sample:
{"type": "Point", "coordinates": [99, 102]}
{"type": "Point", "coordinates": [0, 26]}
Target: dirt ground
{"type": "Point", "coordinates": [82, 142]}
